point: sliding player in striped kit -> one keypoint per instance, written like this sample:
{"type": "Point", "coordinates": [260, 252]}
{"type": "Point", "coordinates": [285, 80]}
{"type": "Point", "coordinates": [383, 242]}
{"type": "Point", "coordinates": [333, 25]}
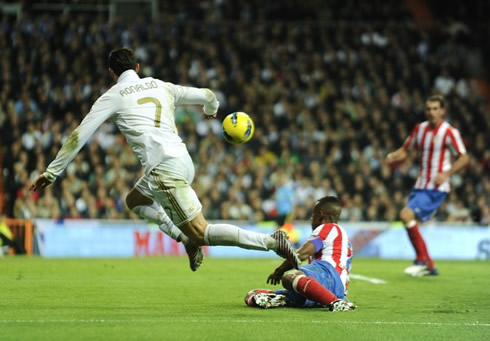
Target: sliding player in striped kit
{"type": "Point", "coordinates": [323, 282]}
{"type": "Point", "coordinates": [437, 141]}
{"type": "Point", "coordinates": [144, 111]}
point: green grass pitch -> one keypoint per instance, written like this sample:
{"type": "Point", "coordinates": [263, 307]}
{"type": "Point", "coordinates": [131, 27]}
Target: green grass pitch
{"type": "Point", "coordinates": [161, 299]}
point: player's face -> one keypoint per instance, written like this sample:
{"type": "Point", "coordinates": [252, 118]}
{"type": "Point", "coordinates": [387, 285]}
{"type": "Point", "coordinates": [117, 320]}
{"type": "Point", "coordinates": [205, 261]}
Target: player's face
{"type": "Point", "coordinates": [434, 112]}
{"type": "Point", "coordinates": [316, 217]}
{"type": "Point", "coordinates": [113, 75]}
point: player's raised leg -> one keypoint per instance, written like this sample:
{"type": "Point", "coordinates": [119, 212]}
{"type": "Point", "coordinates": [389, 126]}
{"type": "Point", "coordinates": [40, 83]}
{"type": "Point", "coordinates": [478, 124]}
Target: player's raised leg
{"type": "Point", "coordinates": [153, 212]}
{"type": "Point", "coordinates": [170, 187]}
{"type": "Point", "coordinates": [203, 233]}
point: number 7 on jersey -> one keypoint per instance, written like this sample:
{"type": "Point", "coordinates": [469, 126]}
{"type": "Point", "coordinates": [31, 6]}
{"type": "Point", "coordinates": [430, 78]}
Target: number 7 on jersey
{"type": "Point", "coordinates": [158, 110]}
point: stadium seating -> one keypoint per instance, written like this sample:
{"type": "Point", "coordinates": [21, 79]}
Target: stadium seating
{"type": "Point", "coordinates": [330, 91]}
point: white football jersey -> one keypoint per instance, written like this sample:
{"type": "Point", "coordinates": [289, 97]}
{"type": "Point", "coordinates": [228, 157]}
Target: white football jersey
{"type": "Point", "coordinates": [144, 111]}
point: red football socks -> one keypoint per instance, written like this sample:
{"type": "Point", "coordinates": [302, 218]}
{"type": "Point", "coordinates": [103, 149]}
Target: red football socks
{"type": "Point", "coordinates": [419, 245]}
{"type": "Point", "coordinates": [314, 291]}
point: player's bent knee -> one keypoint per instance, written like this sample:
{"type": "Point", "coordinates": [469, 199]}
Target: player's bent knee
{"type": "Point", "coordinates": [288, 279]}
{"type": "Point", "coordinates": [406, 215]}
{"type": "Point", "coordinates": [130, 201]}
{"type": "Point", "coordinates": [135, 198]}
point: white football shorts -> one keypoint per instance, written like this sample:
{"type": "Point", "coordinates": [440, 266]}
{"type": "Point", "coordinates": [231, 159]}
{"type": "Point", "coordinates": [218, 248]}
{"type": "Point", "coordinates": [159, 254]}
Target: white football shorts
{"type": "Point", "coordinates": [169, 184]}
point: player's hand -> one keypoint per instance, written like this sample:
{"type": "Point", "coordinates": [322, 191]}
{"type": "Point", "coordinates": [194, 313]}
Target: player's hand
{"type": "Point", "coordinates": [209, 117]}
{"type": "Point", "coordinates": [440, 178]}
{"type": "Point", "coordinates": [274, 278]}
{"type": "Point", "coordinates": [40, 183]}
{"type": "Point", "coordinates": [390, 158]}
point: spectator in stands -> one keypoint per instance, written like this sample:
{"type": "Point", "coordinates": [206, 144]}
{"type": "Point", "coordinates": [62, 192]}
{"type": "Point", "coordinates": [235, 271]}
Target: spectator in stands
{"type": "Point", "coordinates": [291, 85]}
{"type": "Point", "coordinates": [285, 199]}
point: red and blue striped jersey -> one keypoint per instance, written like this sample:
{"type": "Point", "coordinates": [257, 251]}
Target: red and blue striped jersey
{"type": "Point", "coordinates": [436, 147]}
{"type": "Point", "coordinates": [336, 250]}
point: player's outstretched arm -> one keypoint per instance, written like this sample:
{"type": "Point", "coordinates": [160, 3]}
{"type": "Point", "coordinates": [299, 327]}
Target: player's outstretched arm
{"type": "Point", "coordinates": [102, 110]}
{"type": "Point", "coordinates": [398, 155]}
{"type": "Point", "coordinates": [275, 277]}
{"type": "Point", "coordinates": [307, 250]}
{"type": "Point", "coordinates": [200, 96]}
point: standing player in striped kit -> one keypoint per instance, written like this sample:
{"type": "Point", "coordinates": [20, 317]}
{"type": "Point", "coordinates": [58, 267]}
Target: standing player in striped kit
{"type": "Point", "coordinates": [323, 282]}
{"type": "Point", "coordinates": [436, 140]}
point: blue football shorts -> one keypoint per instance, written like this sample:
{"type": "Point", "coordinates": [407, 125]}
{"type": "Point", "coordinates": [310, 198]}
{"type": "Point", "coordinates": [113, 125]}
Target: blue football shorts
{"type": "Point", "coordinates": [322, 272]}
{"type": "Point", "coordinates": [425, 202]}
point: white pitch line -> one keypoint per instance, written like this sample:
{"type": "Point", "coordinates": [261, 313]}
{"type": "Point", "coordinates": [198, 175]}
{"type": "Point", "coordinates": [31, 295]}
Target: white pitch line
{"type": "Point", "coordinates": [368, 279]}
{"type": "Point", "coordinates": [95, 321]}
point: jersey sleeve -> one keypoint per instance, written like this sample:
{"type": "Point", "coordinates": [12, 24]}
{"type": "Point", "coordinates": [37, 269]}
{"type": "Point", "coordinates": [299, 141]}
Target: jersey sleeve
{"type": "Point", "coordinates": [200, 96]}
{"type": "Point", "coordinates": [411, 141]}
{"type": "Point", "coordinates": [317, 243]}
{"type": "Point", "coordinates": [455, 142]}
{"type": "Point", "coordinates": [102, 110]}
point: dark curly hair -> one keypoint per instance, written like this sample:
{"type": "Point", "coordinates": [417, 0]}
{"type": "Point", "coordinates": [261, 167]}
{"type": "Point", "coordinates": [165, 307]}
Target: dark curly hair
{"type": "Point", "coordinates": [121, 60]}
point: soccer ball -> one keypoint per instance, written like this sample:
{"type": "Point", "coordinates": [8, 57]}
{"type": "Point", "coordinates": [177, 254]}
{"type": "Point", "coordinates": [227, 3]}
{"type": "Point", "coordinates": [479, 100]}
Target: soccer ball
{"type": "Point", "coordinates": [238, 128]}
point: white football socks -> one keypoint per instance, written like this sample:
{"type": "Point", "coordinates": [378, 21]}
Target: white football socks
{"type": "Point", "coordinates": [156, 214]}
{"type": "Point", "coordinates": [231, 235]}
{"type": "Point", "coordinates": [411, 224]}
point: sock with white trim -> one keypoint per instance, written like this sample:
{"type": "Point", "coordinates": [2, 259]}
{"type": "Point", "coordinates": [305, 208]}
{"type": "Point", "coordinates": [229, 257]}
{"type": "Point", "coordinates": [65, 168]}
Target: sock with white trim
{"type": "Point", "coordinates": [310, 288]}
{"type": "Point", "coordinates": [418, 243]}
{"type": "Point", "coordinates": [156, 214]}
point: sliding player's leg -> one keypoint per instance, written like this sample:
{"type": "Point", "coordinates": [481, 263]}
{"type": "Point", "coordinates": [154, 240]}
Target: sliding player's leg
{"type": "Point", "coordinates": [266, 298]}
{"type": "Point", "coordinates": [319, 285]}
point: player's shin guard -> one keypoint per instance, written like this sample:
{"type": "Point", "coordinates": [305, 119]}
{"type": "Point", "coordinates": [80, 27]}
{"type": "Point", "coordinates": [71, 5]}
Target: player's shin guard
{"type": "Point", "coordinates": [231, 235]}
{"type": "Point", "coordinates": [156, 214]}
{"type": "Point", "coordinates": [312, 290]}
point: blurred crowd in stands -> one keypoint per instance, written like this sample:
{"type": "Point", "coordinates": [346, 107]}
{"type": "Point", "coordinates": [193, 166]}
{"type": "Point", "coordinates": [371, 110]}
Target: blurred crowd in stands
{"type": "Point", "coordinates": [331, 93]}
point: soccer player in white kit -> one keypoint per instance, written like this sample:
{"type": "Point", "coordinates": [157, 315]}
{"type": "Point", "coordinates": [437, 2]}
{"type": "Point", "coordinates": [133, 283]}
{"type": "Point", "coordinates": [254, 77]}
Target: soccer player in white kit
{"type": "Point", "coordinates": [144, 111]}
{"type": "Point", "coordinates": [437, 142]}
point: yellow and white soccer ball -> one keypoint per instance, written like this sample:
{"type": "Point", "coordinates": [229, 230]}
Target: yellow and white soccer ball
{"type": "Point", "coordinates": [238, 128]}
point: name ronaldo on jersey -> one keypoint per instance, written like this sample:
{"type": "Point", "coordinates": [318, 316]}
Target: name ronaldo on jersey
{"type": "Point", "coordinates": [138, 88]}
